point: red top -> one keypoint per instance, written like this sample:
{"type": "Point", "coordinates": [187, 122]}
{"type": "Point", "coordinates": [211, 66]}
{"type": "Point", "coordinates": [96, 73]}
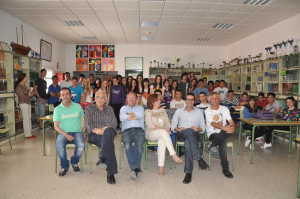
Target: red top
{"type": "Point", "coordinates": [263, 104]}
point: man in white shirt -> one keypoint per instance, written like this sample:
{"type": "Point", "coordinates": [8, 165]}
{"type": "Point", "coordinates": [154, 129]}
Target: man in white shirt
{"type": "Point", "coordinates": [189, 124]}
{"type": "Point", "coordinates": [217, 117]}
{"type": "Point", "coordinates": [222, 90]}
{"type": "Point", "coordinates": [177, 102]}
{"type": "Point", "coordinates": [66, 83]}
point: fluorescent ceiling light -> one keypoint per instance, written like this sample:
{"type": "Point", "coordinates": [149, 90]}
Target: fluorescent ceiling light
{"type": "Point", "coordinates": [203, 39]}
{"type": "Point", "coordinates": [257, 2]}
{"type": "Point", "coordinates": [148, 23]}
{"type": "Point", "coordinates": [90, 38]}
{"type": "Point", "coordinates": [223, 26]}
{"type": "Point", "coordinates": [73, 23]}
{"type": "Point", "coordinates": [147, 38]}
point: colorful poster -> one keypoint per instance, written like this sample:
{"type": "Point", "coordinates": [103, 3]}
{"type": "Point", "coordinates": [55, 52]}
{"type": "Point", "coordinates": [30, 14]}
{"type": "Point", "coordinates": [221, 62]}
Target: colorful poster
{"type": "Point", "coordinates": [82, 64]}
{"type": "Point", "coordinates": [94, 51]}
{"type": "Point", "coordinates": [82, 51]}
{"type": "Point", "coordinates": [108, 64]}
{"type": "Point", "coordinates": [95, 64]}
{"type": "Point", "coordinates": [108, 51]}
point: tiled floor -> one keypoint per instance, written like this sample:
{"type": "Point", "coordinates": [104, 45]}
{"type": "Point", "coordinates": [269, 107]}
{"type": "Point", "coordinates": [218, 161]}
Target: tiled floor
{"type": "Point", "coordinates": [26, 173]}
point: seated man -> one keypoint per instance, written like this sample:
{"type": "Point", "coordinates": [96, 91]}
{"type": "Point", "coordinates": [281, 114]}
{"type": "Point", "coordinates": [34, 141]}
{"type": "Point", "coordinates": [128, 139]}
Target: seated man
{"type": "Point", "coordinates": [67, 122]}
{"type": "Point", "coordinates": [160, 97]}
{"type": "Point", "coordinates": [101, 125]}
{"type": "Point", "coordinates": [230, 99]}
{"type": "Point", "coordinates": [177, 102]}
{"type": "Point", "coordinates": [262, 101]}
{"type": "Point", "coordinates": [132, 118]}
{"type": "Point", "coordinates": [273, 105]}
{"type": "Point", "coordinates": [244, 100]}
{"type": "Point", "coordinates": [189, 124]}
{"type": "Point", "coordinates": [217, 129]}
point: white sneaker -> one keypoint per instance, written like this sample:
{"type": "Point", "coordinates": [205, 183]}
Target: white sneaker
{"type": "Point", "coordinates": [259, 139]}
{"type": "Point", "coordinates": [267, 145]}
{"type": "Point", "coordinates": [248, 141]}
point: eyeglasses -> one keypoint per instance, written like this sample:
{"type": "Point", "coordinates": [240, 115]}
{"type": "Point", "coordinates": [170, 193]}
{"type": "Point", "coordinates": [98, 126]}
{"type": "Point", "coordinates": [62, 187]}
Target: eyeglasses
{"type": "Point", "coordinates": [189, 99]}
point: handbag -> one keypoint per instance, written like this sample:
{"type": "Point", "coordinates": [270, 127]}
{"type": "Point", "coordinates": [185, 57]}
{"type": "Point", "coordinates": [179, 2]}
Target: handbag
{"type": "Point", "coordinates": [264, 115]}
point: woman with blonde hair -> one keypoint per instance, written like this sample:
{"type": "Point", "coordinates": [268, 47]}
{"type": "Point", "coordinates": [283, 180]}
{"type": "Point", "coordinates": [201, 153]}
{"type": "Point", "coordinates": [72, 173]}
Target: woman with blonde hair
{"type": "Point", "coordinates": [106, 89]}
{"type": "Point", "coordinates": [158, 129]}
{"type": "Point", "coordinates": [87, 95]}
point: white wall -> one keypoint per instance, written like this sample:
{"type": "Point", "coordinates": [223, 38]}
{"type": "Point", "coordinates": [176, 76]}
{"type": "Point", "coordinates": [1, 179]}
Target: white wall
{"type": "Point", "coordinates": [8, 24]}
{"type": "Point", "coordinates": [162, 53]}
{"type": "Point", "coordinates": [257, 42]}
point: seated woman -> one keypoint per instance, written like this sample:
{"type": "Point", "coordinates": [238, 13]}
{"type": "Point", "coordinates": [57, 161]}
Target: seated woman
{"type": "Point", "coordinates": [158, 129]}
{"type": "Point", "coordinates": [291, 113]}
{"type": "Point", "coordinates": [249, 111]}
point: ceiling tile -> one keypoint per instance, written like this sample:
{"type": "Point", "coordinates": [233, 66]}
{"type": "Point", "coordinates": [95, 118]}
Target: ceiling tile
{"type": "Point", "coordinates": [195, 13]}
{"type": "Point", "coordinates": [151, 5]}
{"type": "Point", "coordinates": [167, 25]}
{"type": "Point", "coordinates": [83, 11]}
{"type": "Point", "coordinates": [173, 12]}
{"type": "Point", "coordinates": [150, 12]}
{"type": "Point", "coordinates": [257, 16]}
{"type": "Point", "coordinates": [225, 7]}
{"type": "Point", "coordinates": [149, 18]}
{"type": "Point", "coordinates": [230, 21]}
{"type": "Point", "coordinates": [19, 4]}
{"type": "Point", "coordinates": [176, 5]}
{"type": "Point", "coordinates": [128, 12]}
{"type": "Point", "coordinates": [126, 4]}
{"type": "Point", "coordinates": [272, 9]}
{"type": "Point", "coordinates": [76, 4]}
{"type": "Point", "coordinates": [232, 1]}
{"type": "Point", "coordinates": [248, 8]}
{"type": "Point", "coordinates": [105, 12]}
{"type": "Point", "coordinates": [170, 19]}
{"type": "Point", "coordinates": [101, 4]}
{"type": "Point", "coordinates": [51, 4]}
{"type": "Point", "coordinates": [239, 15]}
{"type": "Point", "coordinates": [61, 11]}
{"type": "Point", "coordinates": [186, 25]}
{"type": "Point", "coordinates": [211, 20]}
{"type": "Point", "coordinates": [190, 19]}
{"type": "Point", "coordinates": [216, 14]}
{"type": "Point", "coordinates": [200, 6]}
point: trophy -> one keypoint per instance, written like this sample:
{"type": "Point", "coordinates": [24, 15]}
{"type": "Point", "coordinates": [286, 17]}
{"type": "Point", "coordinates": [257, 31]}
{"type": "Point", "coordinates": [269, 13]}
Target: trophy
{"type": "Point", "coordinates": [249, 59]}
{"type": "Point", "coordinates": [260, 56]}
{"type": "Point", "coordinates": [210, 66]}
{"type": "Point", "coordinates": [275, 46]}
{"type": "Point", "coordinates": [279, 44]}
{"type": "Point", "coordinates": [291, 48]}
{"type": "Point", "coordinates": [154, 63]}
{"type": "Point", "coordinates": [203, 64]}
{"type": "Point", "coordinates": [284, 49]}
{"type": "Point", "coordinates": [267, 50]}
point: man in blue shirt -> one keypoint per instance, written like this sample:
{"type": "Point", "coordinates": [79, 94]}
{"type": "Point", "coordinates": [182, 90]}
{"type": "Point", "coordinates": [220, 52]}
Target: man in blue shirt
{"type": "Point", "coordinates": [132, 118]}
{"type": "Point", "coordinates": [76, 90]}
{"type": "Point", "coordinates": [54, 91]}
{"type": "Point", "coordinates": [67, 122]}
{"type": "Point", "coordinates": [199, 90]}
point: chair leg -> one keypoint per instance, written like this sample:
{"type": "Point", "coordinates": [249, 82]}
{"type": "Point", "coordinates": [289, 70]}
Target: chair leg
{"type": "Point", "coordinates": [245, 135]}
{"type": "Point", "coordinates": [120, 162]}
{"type": "Point", "coordinates": [232, 157]}
{"type": "Point", "coordinates": [209, 160]}
{"type": "Point", "coordinates": [55, 161]}
{"type": "Point", "coordinates": [9, 140]}
{"type": "Point", "coordinates": [81, 163]}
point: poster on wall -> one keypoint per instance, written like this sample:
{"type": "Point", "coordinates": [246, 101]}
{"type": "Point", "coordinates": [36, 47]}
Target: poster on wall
{"type": "Point", "coordinates": [133, 63]}
{"type": "Point", "coordinates": [95, 57]}
{"type": "Point", "coordinates": [108, 64]}
{"type": "Point", "coordinates": [82, 64]}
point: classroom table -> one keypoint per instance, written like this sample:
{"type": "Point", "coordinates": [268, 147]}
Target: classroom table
{"type": "Point", "coordinates": [48, 118]}
{"type": "Point", "coordinates": [258, 122]}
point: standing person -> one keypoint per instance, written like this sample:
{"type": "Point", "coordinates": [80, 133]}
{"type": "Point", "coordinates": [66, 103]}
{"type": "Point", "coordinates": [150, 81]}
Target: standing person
{"type": "Point", "coordinates": [192, 76]}
{"type": "Point", "coordinates": [117, 99]}
{"type": "Point", "coordinates": [262, 101]}
{"type": "Point", "coordinates": [134, 86]}
{"type": "Point", "coordinates": [92, 81]}
{"type": "Point", "coordinates": [205, 82]}
{"type": "Point", "coordinates": [183, 85]}
{"type": "Point", "coordinates": [87, 95]}
{"type": "Point", "coordinates": [101, 125]}
{"type": "Point", "coordinates": [177, 102]}
{"type": "Point", "coordinates": [199, 90]}
{"type": "Point", "coordinates": [106, 89]}
{"type": "Point", "coordinates": [124, 83]}
{"type": "Point", "coordinates": [217, 117]}
{"type": "Point", "coordinates": [110, 83]}
{"type": "Point", "coordinates": [41, 95]}
{"type": "Point", "coordinates": [97, 85]}
{"type": "Point", "coordinates": [158, 85]}
{"type": "Point", "coordinates": [76, 90]}
{"type": "Point", "coordinates": [140, 85]}
{"type": "Point", "coordinates": [67, 122]}
{"type": "Point", "coordinates": [168, 94]}
{"type": "Point", "coordinates": [174, 87]}
{"type": "Point", "coordinates": [54, 91]}
{"type": "Point", "coordinates": [171, 81]}
{"type": "Point", "coordinates": [119, 79]}
{"type": "Point", "coordinates": [158, 129]}
{"type": "Point", "coordinates": [146, 90]}
{"type": "Point", "coordinates": [193, 85]}
{"type": "Point", "coordinates": [66, 83]}
{"type": "Point", "coordinates": [211, 86]}
{"type": "Point", "coordinates": [24, 95]}
{"type": "Point", "coordinates": [129, 79]}
{"type": "Point", "coordinates": [132, 118]}
{"type": "Point", "coordinates": [222, 90]}
{"type": "Point", "coordinates": [80, 79]}
{"type": "Point", "coordinates": [189, 124]}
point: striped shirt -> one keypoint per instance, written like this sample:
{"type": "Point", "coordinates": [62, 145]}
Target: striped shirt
{"type": "Point", "coordinates": [227, 102]}
{"type": "Point", "coordinates": [95, 118]}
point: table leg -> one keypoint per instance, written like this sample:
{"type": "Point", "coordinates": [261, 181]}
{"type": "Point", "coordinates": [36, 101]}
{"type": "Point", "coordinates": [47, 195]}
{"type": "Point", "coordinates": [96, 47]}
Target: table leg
{"type": "Point", "coordinates": [290, 140]}
{"type": "Point", "coordinates": [298, 190]}
{"type": "Point", "coordinates": [44, 148]}
{"type": "Point", "coordinates": [252, 144]}
{"type": "Point", "coordinates": [239, 141]}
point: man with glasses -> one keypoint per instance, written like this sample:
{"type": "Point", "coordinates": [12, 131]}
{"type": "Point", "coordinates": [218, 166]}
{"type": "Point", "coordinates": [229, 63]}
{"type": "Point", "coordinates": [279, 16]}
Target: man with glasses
{"type": "Point", "coordinates": [189, 124]}
{"type": "Point", "coordinates": [101, 125]}
{"type": "Point", "coordinates": [132, 118]}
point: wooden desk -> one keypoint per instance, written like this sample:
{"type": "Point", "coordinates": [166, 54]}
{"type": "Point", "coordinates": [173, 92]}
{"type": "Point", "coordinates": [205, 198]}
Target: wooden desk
{"type": "Point", "coordinates": [257, 122]}
{"type": "Point", "coordinates": [48, 118]}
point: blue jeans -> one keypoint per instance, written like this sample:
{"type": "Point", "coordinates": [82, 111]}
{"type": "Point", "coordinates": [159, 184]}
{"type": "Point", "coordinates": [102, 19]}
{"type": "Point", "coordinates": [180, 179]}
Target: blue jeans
{"type": "Point", "coordinates": [61, 143]}
{"type": "Point", "coordinates": [134, 154]}
{"type": "Point", "coordinates": [41, 107]}
{"type": "Point", "coordinates": [191, 141]}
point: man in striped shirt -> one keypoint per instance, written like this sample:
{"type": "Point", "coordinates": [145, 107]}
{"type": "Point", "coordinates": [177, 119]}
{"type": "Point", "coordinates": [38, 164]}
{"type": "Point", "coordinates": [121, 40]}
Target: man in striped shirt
{"type": "Point", "coordinates": [101, 125]}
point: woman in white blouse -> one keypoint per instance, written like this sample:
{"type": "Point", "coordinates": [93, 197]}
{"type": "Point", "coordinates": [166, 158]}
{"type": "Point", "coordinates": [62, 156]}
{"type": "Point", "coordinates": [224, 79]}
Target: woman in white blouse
{"type": "Point", "coordinates": [158, 129]}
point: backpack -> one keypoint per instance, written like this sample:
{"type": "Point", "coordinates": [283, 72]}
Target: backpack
{"type": "Point", "coordinates": [264, 115]}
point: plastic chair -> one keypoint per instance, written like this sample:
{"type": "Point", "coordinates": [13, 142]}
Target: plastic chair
{"type": "Point", "coordinates": [89, 147]}
{"type": "Point", "coordinates": [229, 145]}
{"type": "Point", "coordinates": [181, 144]}
{"type": "Point", "coordinates": [5, 132]}
{"type": "Point", "coordinates": [285, 135]}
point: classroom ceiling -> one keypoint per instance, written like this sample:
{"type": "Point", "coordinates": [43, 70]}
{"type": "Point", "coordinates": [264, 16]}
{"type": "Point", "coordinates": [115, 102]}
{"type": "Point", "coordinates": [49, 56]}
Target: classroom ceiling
{"type": "Point", "coordinates": [174, 22]}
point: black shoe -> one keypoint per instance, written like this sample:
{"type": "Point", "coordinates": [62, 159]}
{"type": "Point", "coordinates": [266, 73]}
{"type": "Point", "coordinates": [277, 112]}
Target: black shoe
{"type": "Point", "coordinates": [75, 168]}
{"type": "Point", "coordinates": [111, 179]}
{"type": "Point", "coordinates": [63, 172]}
{"type": "Point", "coordinates": [227, 173]}
{"type": "Point", "coordinates": [102, 163]}
{"type": "Point", "coordinates": [138, 172]}
{"type": "Point", "coordinates": [188, 178]}
{"type": "Point", "coordinates": [202, 164]}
